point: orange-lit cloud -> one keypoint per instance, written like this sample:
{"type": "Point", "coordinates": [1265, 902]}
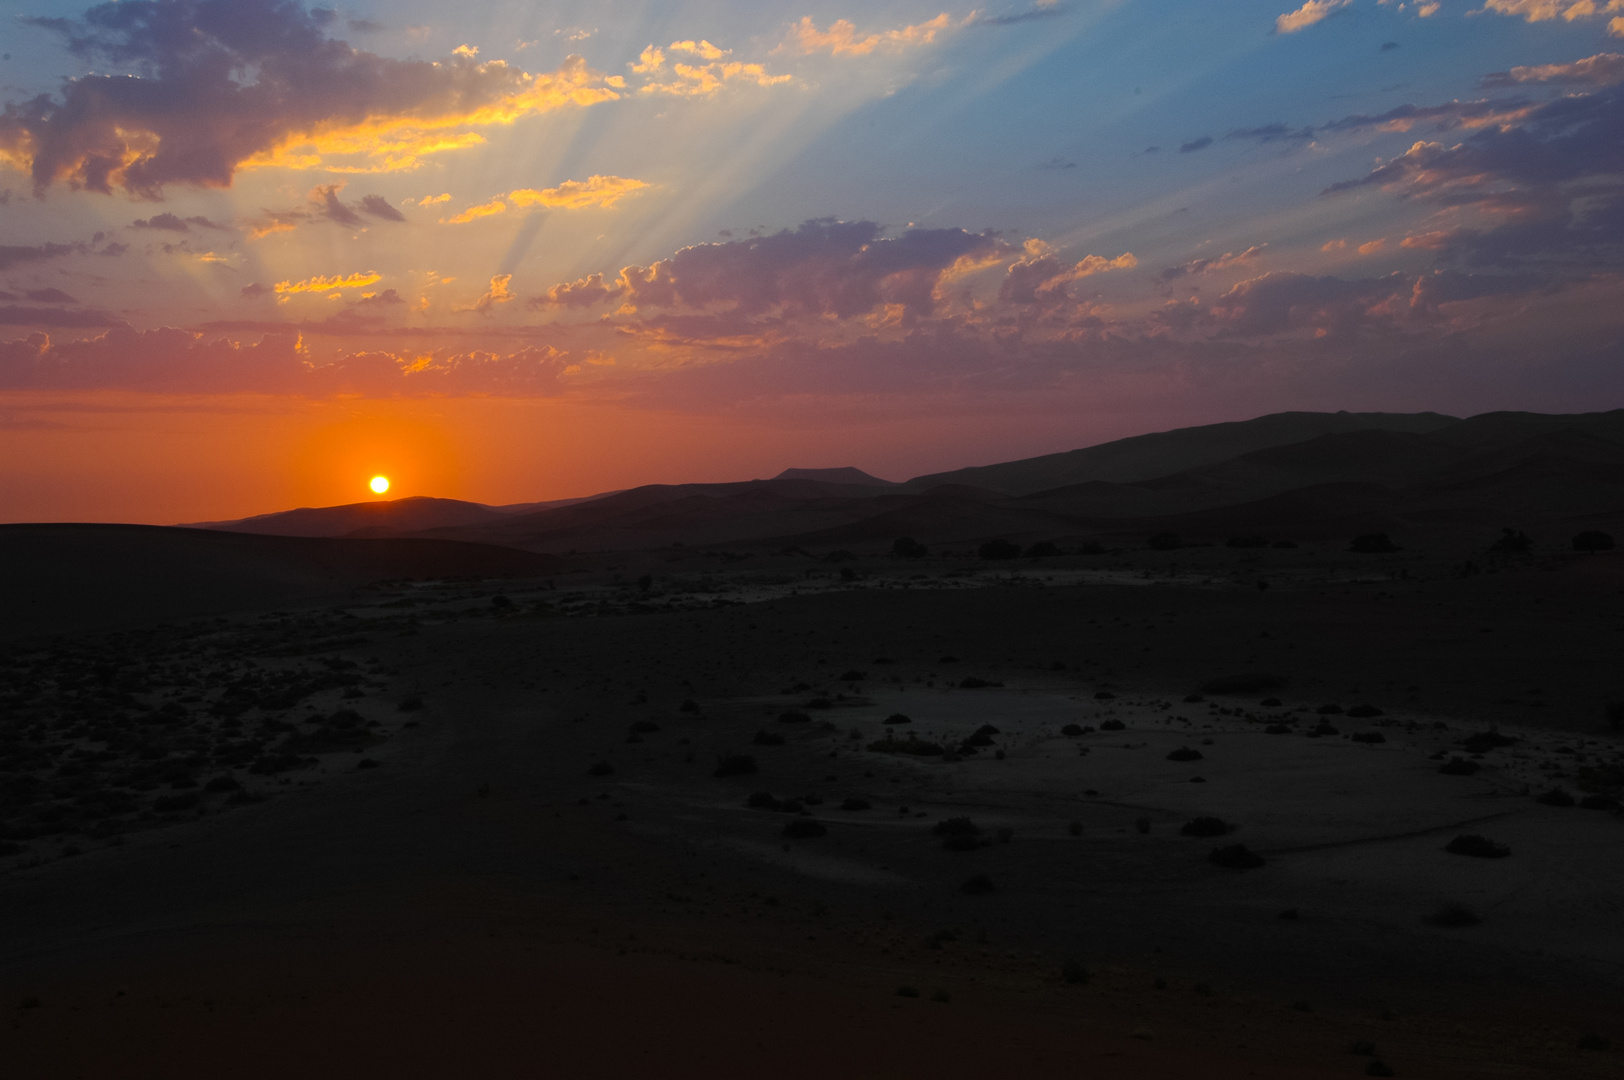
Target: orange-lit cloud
{"type": "Point", "coordinates": [601, 192]}
{"type": "Point", "coordinates": [1543, 10]}
{"type": "Point", "coordinates": [842, 39]}
{"type": "Point", "coordinates": [498, 293]}
{"type": "Point", "coordinates": [1040, 278]}
{"type": "Point", "coordinates": [1371, 247]}
{"type": "Point", "coordinates": [1310, 13]}
{"type": "Point", "coordinates": [195, 117]}
{"type": "Point", "coordinates": [319, 284]}
{"type": "Point", "coordinates": [1603, 69]}
{"type": "Point", "coordinates": [474, 213]}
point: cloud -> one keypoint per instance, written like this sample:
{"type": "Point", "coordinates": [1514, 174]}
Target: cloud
{"type": "Point", "coordinates": [48, 296]}
{"type": "Point", "coordinates": [170, 223]}
{"type": "Point", "coordinates": [51, 316]}
{"type": "Point", "coordinates": [1603, 69]}
{"type": "Point", "coordinates": [1269, 133]}
{"type": "Point", "coordinates": [474, 213]}
{"type": "Point", "coordinates": [1040, 278]}
{"type": "Point", "coordinates": [1043, 9]}
{"type": "Point", "coordinates": [594, 191]}
{"type": "Point", "coordinates": [1227, 261]}
{"type": "Point", "coordinates": [255, 291]}
{"type": "Point", "coordinates": [1544, 10]}
{"type": "Point", "coordinates": [379, 207]}
{"type": "Point", "coordinates": [207, 87]}
{"type": "Point", "coordinates": [842, 39]}
{"type": "Point", "coordinates": [319, 284]}
{"type": "Point", "coordinates": [329, 206]}
{"type": "Point", "coordinates": [704, 80]}
{"type": "Point", "coordinates": [1196, 144]}
{"type": "Point", "coordinates": [15, 255]}
{"type": "Point", "coordinates": [498, 293]}
{"type": "Point", "coordinates": [1310, 13]}
{"type": "Point", "coordinates": [826, 268]}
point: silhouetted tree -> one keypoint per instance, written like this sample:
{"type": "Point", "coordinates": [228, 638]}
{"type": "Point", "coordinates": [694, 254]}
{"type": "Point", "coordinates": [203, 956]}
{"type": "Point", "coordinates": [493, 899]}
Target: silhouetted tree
{"type": "Point", "coordinates": [1372, 544]}
{"type": "Point", "coordinates": [1164, 541]}
{"type": "Point", "coordinates": [1512, 542]}
{"type": "Point", "coordinates": [1593, 540]}
{"type": "Point", "coordinates": [998, 549]}
{"type": "Point", "coordinates": [906, 547]}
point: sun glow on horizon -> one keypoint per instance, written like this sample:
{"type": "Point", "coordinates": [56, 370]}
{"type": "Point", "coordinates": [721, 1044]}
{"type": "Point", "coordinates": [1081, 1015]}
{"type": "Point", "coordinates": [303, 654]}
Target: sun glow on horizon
{"type": "Point", "coordinates": [379, 484]}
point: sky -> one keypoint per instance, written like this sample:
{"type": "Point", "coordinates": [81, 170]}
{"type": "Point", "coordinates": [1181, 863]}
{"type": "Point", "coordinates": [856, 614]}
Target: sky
{"type": "Point", "coordinates": [254, 252]}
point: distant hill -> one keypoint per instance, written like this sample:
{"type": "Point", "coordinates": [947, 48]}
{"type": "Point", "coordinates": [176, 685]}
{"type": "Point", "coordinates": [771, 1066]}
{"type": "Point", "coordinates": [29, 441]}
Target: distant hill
{"type": "Point", "coordinates": [846, 475]}
{"type": "Point", "coordinates": [1285, 475]}
{"type": "Point", "coordinates": [1145, 457]}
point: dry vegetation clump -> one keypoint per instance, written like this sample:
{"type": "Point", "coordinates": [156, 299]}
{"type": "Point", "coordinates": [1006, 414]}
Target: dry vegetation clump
{"type": "Point", "coordinates": [1453, 916]}
{"type": "Point", "coordinates": [735, 765]}
{"type": "Point", "coordinates": [1112, 725]}
{"type": "Point", "coordinates": [1072, 730]}
{"type": "Point", "coordinates": [971, 682]}
{"type": "Point", "coordinates": [1368, 737]}
{"type": "Point", "coordinates": [1478, 847]}
{"type": "Point", "coordinates": [1484, 741]}
{"type": "Point", "coordinates": [1373, 544]}
{"type": "Point", "coordinates": [768, 738]}
{"type": "Point", "coordinates": [1365, 712]}
{"type": "Point", "coordinates": [897, 718]}
{"type": "Point", "coordinates": [998, 549]}
{"type": "Point", "coordinates": [913, 745]}
{"type": "Point", "coordinates": [804, 829]}
{"type": "Point", "coordinates": [1235, 857]}
{"type": "Point", "coordinates": [1556, 797]}
{"type": "Point", "coordinates": [977, 885]}
{"type": "Point", "coordinates": [1206, 826]}
{"type": "Point", "coordinates": [792, 716]}
{"type": "Point", "coordinates": [601, 768]}
{"type": "Point", "coordinates": [958, 834]}
{"type": "Point", "coordinates": [1184, 753]}
{"type": "Point", "coordinates": [1075, 972]}
{"type": "Point", "coordinates": [1459, 766]}
{"type": "Point", "coordinates": [644, 727]}
{"type": "Point", "coordinates": [854, 804]}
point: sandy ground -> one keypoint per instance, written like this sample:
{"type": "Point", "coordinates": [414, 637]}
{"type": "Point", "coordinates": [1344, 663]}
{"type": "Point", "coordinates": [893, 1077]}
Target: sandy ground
{"type": "Point", "coordinates": [485, 897]}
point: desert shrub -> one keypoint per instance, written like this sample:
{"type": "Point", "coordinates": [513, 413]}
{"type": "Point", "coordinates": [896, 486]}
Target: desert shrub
{"type": "Point", "coordinates": [1592, 540]}
{"type": "Point", "coordinates": [1556, 797]}
{"type": "Point", "coordinates": [1325, 728]}
{"type": "Point", "coordinates": [169, 803]}
{"type": "Point", "coordinates": [982, 736]}
{"type": "Point", "coordinates": [1368, 737]}
{"type": "Point", "coordinates": [1091, 547]}
{"type": "Point", "coordinates": [1112, 725]}
{"type": "Point", "coordinates": [644, 727]}
{"type": "Point", "coordinates": [1184, 753]}
{"type": "Point", "coordinates": [907, 992]}
{"type": "Point", "coordinates": [853, 675]}
{"type": "Point", "coordinates": [804, 829]}
{"type": "Point", "coordinates": [1329, 710]}
{"type": "Point", "coordinates": [1270, 703]}
{"type": "Point", "coordinates": [1164, 541]}
{"type": "Point", "coordinates": [998, 549]}
{"type": "Point", "coordinates": [839, 555]}
{"type": "Point", "coordinates": [1362, 1047]}
{"type": "Point", "coordinates": [768, 738]}
{"type": "Point", "coordinates": [601, 768]}
{"type": "Point", "coordinates": [410, 703]}
{"type": "Point", "coordinates": [1459, 767]}
{"type": "Point", "coordinates": [1043, 549]}
{"type": "Point", "coordinates": [913, 745]}
{"type": "Point", "coordinates": [735, 765]}
{"type": "Point", "coordinates": [222, 784]}
{"type": "Point", "coordinates": [1453, 915]}
{"type": "Point", "coordinates": [818, 703]}
{"type": "Point", "coordinates": [1075, 972]}
{"type": "Point", "coordinates": [977, 885]}
{"type": "Point", "coordinates": [689, 705]}
{"type": "Point", "coordinates": [1251, 682]}
{"type": "Point", "coordinates": [366, 763]}
{"type": "Point", "coordinates": [1205, 826]}
{"type": "Point", "coordinates": [1478, 847]}
{"type": "Point", "coordinates": [1103, 695]}
{"type": "Point", "coordinates": [1372, 544]}
{"type": "Point", "coordinates": [958, 834]}
{"type": "Point", "coordinates": [854, 804]}
{"type": "Point", "coordinates": [970, 682]}
{"type": "Point", "coordinates": [761, 800]}
{"type": "Point", "coordinates": [793, 717]}
{"type": "Point", "coordinates": [1615, 715]}
{"type": "Point", "coordinates": [1193, 699]}
{"type": "Point", "coordinates": [1235, 857]}
{"type": "Point", "coordinates": [1072, 730]}
{"type": "Point", "coordinates": [1246, 542]}
{"type": "Point", "coordinates": [1590, 1040]}
{"type": "Point", "coordinates": [1284, 544]}
{"type": "Point", "coordinates": [501, 603]}
{"type": "Point", "coordinates": [1512, 542]}
{"type": "Point", "coordinates": [1277, 729]}
{"type": "Point", "coordinates": [897, 718]}
{"type": "Point", "coordinates": [1378, 1067]}
{"type": "Point", "coordinates": [1485, 741]}
{"type": "Point", "coordinates": [1598, 802]}
{"type": "Point", "coordinates": [906, 547]}
{"type": "Point", "coordinates": [271, 764]}
{"type": "Point", "coordinates": [1365, 712]}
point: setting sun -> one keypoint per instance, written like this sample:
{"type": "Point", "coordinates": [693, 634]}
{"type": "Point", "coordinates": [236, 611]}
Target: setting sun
{"type": "Point", "coordinates": [380, 484]}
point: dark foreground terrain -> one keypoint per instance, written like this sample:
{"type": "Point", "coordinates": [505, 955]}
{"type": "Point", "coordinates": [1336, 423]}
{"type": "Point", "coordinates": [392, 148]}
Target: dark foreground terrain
{"type": "Point", "coordinates": [729, 814]}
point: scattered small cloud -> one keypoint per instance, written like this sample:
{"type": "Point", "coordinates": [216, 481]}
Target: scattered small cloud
{"type": "Point", "coordinates": [600, 192]}
{"type": "Point", "coordinates": [498, 293]}
{"type": "Point", "coordinates": [1057, 163]}
{"type": "Point", "coordinates": [1310, 13]}
{"type": "Point", "coordinates": [255, 291]}
{"type": "Point", "coordinates": [1603, 69]}
{"type": "Point", "coordinates": [379, 207]}
{"type": "Point", "coordinates": [320, 284]}
{"type": "Point", "coordinates": [842, 38]}
{"type": "Point", "coordinates": [48, 296]}
{"type": "Point", "coordinates": [1269, 133]}
{"type": "Point", "coordinates": [1389, 46]}
{"type": "Point", "coordinates": [170, 223]}
{"type": "Point", "coordinates": [1043, 9]}
{"type": "Point", "coordinates": [1196, 144]}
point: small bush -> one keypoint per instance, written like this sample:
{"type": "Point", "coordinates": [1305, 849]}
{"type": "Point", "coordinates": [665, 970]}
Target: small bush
{"type": "Point", "coordinates": [1246, 542]}
{"type": "Point", "coordinates": [1459, 767]}
{"type": "Point", "coordinates": [1372, 544]}
{"type": "Point", "coordinates": [793, 717]}
{"type": "Point", "coordinates": [804, 829]}
{"type": "Point", "coordinates": [854, 804]}
{"type": "Point", "coordinates": [1270, 703]}
{"type": "Point", "coordinates": [1072, 730]}
{"type": "Point", "coordinates": [1184, 753]}
{"type": "Point", "coordinates": [1598, 802]}
{"type": "Point", "coordinates": [853, 675]}
{"type": "Point", "coordinates": [1363, 1047]}
{"type": "Point", "coordinates": [1164, 541]}
{"type": "Point", "coordinates": [906, 547]}
{"type": "Point", "coordinates": [735, 765]}
{"type": "Point", "coordinates": [977, 885]}
{"type": "Point", "coordinates": [762, 800]}
{"type": "Point", "coordinates": [1329, 710]}
{"type": "Point", "coordinates": [1075, 828]}
{"type": "Point", "coordinates": [1235, 857]}
{"type": "Point", "coordinates": [912, 745]}
{"type": "Point", "coordinates": [1251, 682]}
{"type": "Point", "coordinates": [1378, 1067]}
{"type": "Point", "coordinates": [897, 718]}
{"type": "Point", "coordinates": [1206, 826]}
{"type": "Point", "coordinates": [1453, 916]}
{"type": "Point", "coordinates": [1277, 729]}
{"type": "Point", "coordinates": [998, 549]}
{"type": "Point", "coordinates": [907, 992]}
{"type": "Point", "coordinates": [957, 829]}
{"type": "Point", "coordinates": [1592, 540]}
{"type": "Point", "coordinates": [601, 768]}
{"type": "Point", "coordinates": [1590, 1040]}
{"type": "Point", "coordinates": [220, 784]}
{"type": "Point", "coordinates": [970, 682]}
{"type": "Point", "coordinates": [1112, 725]}
{"type": "Point", "coordinates": [1479, 847]}
{"type": "Point", "coordinates": [1368, 737]}
{"type": "Point", "coordinates": [1043, 549]}
{"type": "Point", "coordinates": [1512, 542]}
{"type": "Point", "coordinates": [1556, 797]}
{"type": "Point", "coordinates": [644, 727]}
{"type": "Point", "coordinates": [1485, 741]}
{"type": "Point", "coordinates": [1365, 712]}
{"type": "Point", "coordinates": [768, 738]}
{"type": "Point", "coordinates": [689, 705]}
{"type": "Point", "coordinates": [1075, 973]}
{"type": "Point", "coordinates": [170, 803]}
{"type": "Point", "coordinates": [410, 703]}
